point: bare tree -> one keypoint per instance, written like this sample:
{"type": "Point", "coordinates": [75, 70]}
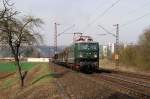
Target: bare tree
{"type": "Point", "coordinates": [17, 32]}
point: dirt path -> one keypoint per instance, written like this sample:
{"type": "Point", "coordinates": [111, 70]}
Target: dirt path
{"type": "Point", "coordinates": [4, 75]}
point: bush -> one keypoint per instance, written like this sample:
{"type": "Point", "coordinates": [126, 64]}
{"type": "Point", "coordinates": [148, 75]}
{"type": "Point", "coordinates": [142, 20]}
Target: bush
{"type": "Point", "coordinates": [137, 55]}
{"type": "Point", "coordinates": [128, 55]}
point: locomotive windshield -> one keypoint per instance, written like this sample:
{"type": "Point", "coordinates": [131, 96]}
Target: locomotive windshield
{"type": "Point", "coordinates": [87, 46]}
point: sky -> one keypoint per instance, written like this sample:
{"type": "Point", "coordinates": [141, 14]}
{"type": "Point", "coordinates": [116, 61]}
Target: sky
{"type": "Point", "coordinates": [86, 15]}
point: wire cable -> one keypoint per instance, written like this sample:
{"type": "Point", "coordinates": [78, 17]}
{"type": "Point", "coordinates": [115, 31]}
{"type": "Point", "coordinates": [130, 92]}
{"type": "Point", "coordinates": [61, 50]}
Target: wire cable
{"type": "Point", "coordinates": [136, 9]}
{"type": "Point", "coordinates": [135, 20]}
{"type": "Point", "coordinates": [72, 26]}
{"type": "Point", "coordinates": [102, 14]}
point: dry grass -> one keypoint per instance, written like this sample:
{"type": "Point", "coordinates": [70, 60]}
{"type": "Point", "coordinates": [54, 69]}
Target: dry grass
{"type": "Point", "coordinates": [38, 84]}
{"type": "Point", "coordinates": [111, 65]}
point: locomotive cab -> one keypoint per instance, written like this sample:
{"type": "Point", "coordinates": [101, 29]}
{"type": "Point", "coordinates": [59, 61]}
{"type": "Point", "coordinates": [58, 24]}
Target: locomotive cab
{"type": "Point", "coordinates": [87, 56]}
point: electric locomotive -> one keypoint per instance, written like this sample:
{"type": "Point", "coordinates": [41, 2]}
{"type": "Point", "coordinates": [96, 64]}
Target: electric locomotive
{"type": "Point", "coordinates": [82, 55]}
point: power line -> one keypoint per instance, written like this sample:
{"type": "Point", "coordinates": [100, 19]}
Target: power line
{"type": "Point", "coordinates": [129, 22]}
{"type": "Point", "coordinates": [109, 8]}
{"type": "Point", "coordinates": [102, 14]}
{"type": "Point", "coordinates": [66, 30]}
{"type": "Point", "coordinates": [135, 20]}
{"type": "Point", "coordinates": [136, 9]}
{"type": "Point", "coordinates": [107, 31]}
{"type": "Point", "coordinates": [100, 6]}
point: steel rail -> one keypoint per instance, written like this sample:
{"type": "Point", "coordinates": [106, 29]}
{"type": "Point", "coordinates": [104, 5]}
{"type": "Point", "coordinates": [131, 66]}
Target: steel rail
{"type": "Point", "coordinates": [136, 83]}
{"type": "Point", "coordinates": [130, 90]}
{"type": "Point", "coordinates": [121, 88]}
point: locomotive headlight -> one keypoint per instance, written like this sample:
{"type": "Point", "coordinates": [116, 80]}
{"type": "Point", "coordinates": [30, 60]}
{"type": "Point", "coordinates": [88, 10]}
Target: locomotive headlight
{"type": "Point", "coordinates": [95, 55]}
{"type": "Point", "coordinates": [80, 55]}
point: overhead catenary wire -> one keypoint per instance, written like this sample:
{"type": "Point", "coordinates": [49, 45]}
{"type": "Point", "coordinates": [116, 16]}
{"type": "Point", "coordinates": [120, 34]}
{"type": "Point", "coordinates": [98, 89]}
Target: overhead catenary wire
{"type": "Point", "coordinates": [134, 20]}
{"type": "Point", "coordinates": [102, 14]}
{"type": "Point", "coordinates": [136, 9]}
{"type": "Point", "coordinates": [100, 6]}
{"type": "Point", "coordinates": [107, 31]}
{"type": "Point", "coordinates": [127, 23]}
{"type": "Point", "coordinates": [137, 19]}
{"type": "Point", "coordinates": [66, 30]}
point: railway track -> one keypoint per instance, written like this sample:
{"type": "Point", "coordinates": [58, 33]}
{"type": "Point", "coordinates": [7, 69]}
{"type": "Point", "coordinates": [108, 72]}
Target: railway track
{"type": "Point", "coordinates": [130, 74]}
{"type": "Point", "coordinates": [120, 87]}
{"type": "Point", "coordinates": [73, 86]}
{"type": "Point", "coordinates": [137, 81]}
{"type": "Point", "coordinates": [134, 87]}
{"type": "Point", "coordinates": [124, 87]}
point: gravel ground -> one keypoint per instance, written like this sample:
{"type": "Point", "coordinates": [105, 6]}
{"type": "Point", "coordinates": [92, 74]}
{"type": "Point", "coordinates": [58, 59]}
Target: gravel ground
{"type": "Point", "coordinates": [76, 87]}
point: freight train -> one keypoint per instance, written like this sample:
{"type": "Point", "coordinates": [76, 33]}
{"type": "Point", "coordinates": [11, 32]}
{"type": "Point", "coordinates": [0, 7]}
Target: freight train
{"type": "Point", "coordinates": [82, 55]}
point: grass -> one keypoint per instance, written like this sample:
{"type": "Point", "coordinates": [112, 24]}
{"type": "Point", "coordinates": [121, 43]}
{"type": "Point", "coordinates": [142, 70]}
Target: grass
{"type": "Point", "coordinates": [8, 83]}
{"type": "Point", "coordinates": [43, 74]}
{"type": "Point", "coordinates": [107, 64]}
{"type": "Point", "coordinates": [10, 66]}
{"type": "Point", "coordinates": [38, 77]}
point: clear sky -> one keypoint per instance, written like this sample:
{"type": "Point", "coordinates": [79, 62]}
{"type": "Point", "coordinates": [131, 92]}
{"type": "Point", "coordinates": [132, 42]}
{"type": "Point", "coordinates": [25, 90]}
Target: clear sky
{"type": "Point", "coordinates": [87, 15]}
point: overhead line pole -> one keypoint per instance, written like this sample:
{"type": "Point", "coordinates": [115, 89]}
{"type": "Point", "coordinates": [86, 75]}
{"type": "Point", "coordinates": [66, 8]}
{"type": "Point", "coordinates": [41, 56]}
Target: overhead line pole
{"type": "Point", "coordinates": [56, 35]}
{"type": "Point", "coordinates": [55, 38]}
{"type": "Point", "coordinates": [117, 46]}
{"type": "Point", "coordinates": [55, 43]}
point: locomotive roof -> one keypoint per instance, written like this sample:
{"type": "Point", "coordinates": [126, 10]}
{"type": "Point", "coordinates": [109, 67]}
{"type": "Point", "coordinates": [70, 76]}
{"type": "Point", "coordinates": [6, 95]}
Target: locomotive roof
{"type": "Point", "coordinates": [86, 42]}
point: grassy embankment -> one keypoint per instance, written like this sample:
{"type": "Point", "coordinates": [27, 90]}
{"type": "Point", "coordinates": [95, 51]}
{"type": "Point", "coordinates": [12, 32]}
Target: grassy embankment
{"type": "Point", "coordinates": [39, 73]}
{"type": "Point", "coordinates": [36, 71]}
{"type": "Point", "coordinates": [8, 70]}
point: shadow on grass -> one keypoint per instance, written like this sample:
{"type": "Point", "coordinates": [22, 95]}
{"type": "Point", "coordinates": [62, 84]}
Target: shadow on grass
{"type": "Point", "coordinates": [53, 75]}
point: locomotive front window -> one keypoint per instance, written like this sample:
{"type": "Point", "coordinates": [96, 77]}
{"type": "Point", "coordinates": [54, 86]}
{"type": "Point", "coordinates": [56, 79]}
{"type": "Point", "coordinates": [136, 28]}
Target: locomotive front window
{"type": "Point", "coordinates": [87, 46]}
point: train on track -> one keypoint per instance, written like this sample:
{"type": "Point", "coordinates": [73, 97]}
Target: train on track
{"type": "Point", "coordinates": [82, 55]}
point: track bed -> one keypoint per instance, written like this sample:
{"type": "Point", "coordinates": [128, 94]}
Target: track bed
{"type": "Point", "coordinates": [75, 85]}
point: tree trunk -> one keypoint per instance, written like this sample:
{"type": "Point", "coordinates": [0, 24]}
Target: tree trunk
{"type": "Point", "coordinates": [21, 77]}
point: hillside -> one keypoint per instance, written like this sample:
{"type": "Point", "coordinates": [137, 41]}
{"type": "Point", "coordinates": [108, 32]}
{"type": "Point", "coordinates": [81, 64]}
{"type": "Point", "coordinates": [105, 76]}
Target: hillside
{"type": "Point", "coordinates": [32, 51]}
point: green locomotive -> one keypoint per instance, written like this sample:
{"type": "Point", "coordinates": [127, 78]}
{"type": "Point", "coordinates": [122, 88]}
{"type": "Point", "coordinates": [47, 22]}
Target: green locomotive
{"type": "Point", "coordinates": [81, 55]}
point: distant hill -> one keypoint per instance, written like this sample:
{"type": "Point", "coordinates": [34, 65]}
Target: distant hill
{"type": "Point", "coordinates": [34, 51]}
{"type": "Point", "coordinates": [48, 51]}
